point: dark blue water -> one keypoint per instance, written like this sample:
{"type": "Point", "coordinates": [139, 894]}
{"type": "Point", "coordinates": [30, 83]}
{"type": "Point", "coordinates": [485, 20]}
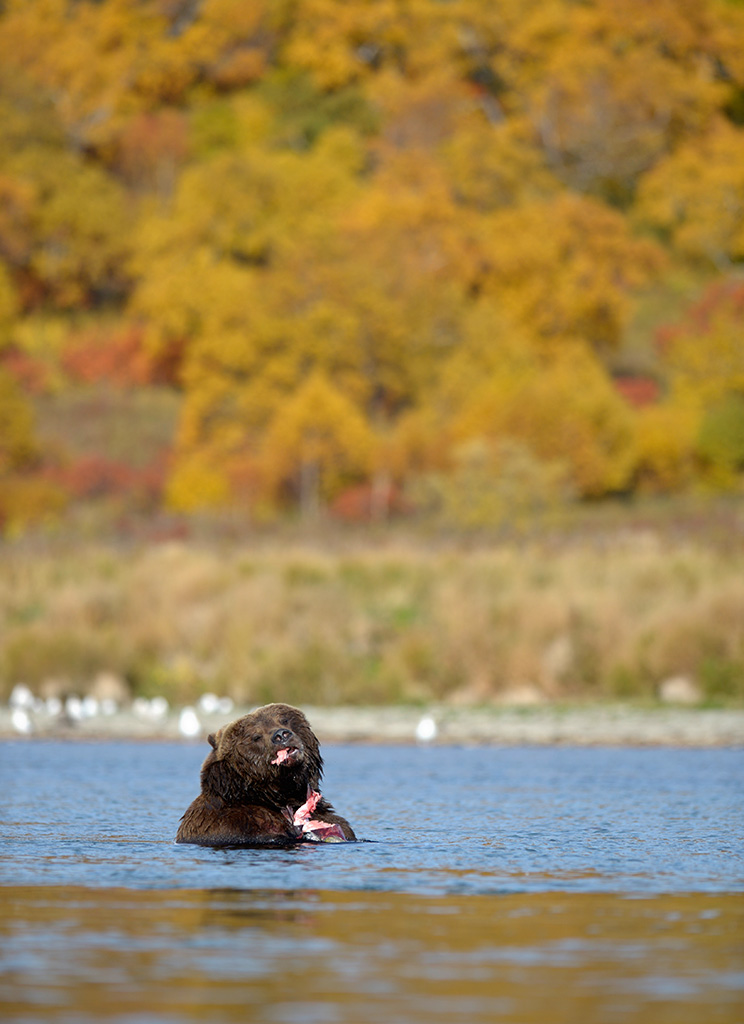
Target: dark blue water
{"type": "Point", "coordinates": [439, 820]}
{"type": "Point", "coordinates": [518, 886]}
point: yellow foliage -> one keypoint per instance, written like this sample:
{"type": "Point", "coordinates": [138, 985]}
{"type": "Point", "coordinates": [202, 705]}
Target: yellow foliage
{"type": "Point", "coordinates": [494, 166]}
{"type": "Point", "coordinates": [317, 430]}
{"type": "Point", "coordinates": [491, 350]}
{"type": "Point", "coordinates": [362, 235]}
{"type": "Point", "coordinates": [94, 57]}
{"type": "Point", "coordinates": [63, 220]}
{"type": "Point", "coordinates": [492, 483]}
{"type": "Point", "coordinates": [695, 197]}
{"type": "Point", "coordinates": [566, 413]}
{"type": "Point", "coordinates": [8, 304]}
{"type": "Point", "coordinates": [606, 99]}
{"type": "Point", "coordinates": [665, 446]}
{"type": "Point", "coordinates": [565, 268]}
{"type": "Point", "coordinates": [16, 203]}
{"type": "Point", "coordinates": [339, 42]}
{"type": "Point", "coordinates": [198, 481]}
{"type": "Point", "coordinates": [419, 442]}
{"type": "Point", "coordinates": [43, 338]}
{"type": "Point", "coordinates": [81, 222]}
{"type": "Point", "coordinates": [26, 501]}
{"type": "Point", "coordinates": [231, 39]}
{"type": "Point", "coordinates": [18, 446]}
{"type": "Point", "coordinates": [237, 211]}
{"type": "Point", "coordinates": [105, 61]}
{"type": "Point", "coordinates": [419, 113]}
{"type": "Point", "coordinates": [720, 441]}
{"type": "Point", "coordinates": [705, 357]}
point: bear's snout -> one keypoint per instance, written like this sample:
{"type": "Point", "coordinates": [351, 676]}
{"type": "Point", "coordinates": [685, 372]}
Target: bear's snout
{"type": "Point", "coordinates": [282, 737]}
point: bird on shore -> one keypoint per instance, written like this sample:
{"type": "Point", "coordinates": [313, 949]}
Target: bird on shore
{"type": "Point", "coordinates": [21, 697]}
{"type": "Point", "coordinates": [21, 721]}
{"type": "Point", "coordinates": [188, 723]}
{"type": "Point", "coordinates": [426, 730]}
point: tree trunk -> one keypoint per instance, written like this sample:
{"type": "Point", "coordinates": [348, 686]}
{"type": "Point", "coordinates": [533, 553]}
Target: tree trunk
{"type": "Point", "coordinates": [310, 491]}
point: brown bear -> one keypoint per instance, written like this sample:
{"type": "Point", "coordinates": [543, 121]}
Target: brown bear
{"type": "Point", "coordinates": [259, 786]}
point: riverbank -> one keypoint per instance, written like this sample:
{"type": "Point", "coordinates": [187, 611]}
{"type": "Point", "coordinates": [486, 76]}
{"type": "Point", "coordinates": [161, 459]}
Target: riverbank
{"type": "Point", "coordinates": [584, 725]}
{"type": "Point", "coordinates": [616, 616]}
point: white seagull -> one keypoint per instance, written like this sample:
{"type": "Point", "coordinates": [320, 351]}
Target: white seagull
{"type": "Point", "coordinates": [188, 723]}
{"type": "Point", "coordinates": [426, 730]}
{"type": "Point", "coordinates": [21, 721]}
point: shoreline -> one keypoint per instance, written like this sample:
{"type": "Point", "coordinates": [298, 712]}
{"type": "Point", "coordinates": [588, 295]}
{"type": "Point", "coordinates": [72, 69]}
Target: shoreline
{"type": "Point", "coordinates": [545, 725]}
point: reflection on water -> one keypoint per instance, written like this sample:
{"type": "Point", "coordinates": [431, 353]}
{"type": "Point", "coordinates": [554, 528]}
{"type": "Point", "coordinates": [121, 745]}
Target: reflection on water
{"type": "Point", "coordinates": [274, 956]}
{"type": "Point", "coordinates": [512, 885]}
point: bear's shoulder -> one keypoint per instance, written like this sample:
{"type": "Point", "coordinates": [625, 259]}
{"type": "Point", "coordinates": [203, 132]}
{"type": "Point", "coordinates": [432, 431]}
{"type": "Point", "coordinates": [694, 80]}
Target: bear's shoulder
{"type": "Point", "coordinates": [246, 824]}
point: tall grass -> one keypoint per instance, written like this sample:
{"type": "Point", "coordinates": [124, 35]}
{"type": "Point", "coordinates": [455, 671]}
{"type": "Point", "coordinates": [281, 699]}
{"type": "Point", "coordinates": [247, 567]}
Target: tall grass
{"type": "Point", "coordinates": [609, 616]}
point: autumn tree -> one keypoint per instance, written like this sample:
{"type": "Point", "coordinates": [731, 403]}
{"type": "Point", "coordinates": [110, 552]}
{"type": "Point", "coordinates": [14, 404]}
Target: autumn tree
{"type": "Point", "coordinates": [703, 412]}
{"type": "Point", "coordinates": [317, 441]}
{"type": "Point", "coordinates": [613, 86]}
{"type": "Point", "coordinates": [565, 412]}
{"type": "Point", "coordinates": [63, 226]}
{"type": "Point", "coordinates": [694, 197]}
{"type": "Point", "coordinates": [23, 497]}
{"type": "Point", "coordinates": [704, 353]}
{"type": "Point", "coordinates": [565, 268]}
{"type": "Point", "coordinates": [423, 224]}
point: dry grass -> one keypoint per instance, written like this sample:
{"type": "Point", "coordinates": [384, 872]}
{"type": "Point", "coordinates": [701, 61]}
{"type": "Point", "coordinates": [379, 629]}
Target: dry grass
{"type": "Point", "coordinates": [603, 617]}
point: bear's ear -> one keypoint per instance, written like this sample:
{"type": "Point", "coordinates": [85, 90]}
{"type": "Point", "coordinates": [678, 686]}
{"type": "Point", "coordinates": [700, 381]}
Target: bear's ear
{"type": "Point", "coordinates": [214, 738]}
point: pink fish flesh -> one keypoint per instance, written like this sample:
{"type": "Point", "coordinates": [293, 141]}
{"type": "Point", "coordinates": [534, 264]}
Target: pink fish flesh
{"type": "Point", "coordinates": [317, 831]}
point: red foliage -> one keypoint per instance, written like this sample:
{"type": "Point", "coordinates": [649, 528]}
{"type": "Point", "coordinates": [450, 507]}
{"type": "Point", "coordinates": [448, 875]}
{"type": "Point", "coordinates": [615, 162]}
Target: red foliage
{"type": "Point", "coordinates": [166, 529]}
{"type": "Point", "coordinates": [367, 503]}
{"type": "Point", "coordinates": [95, 476]}
{"type": "Point", "coordinates": [638, 391]}
{"type": "Point", "coordinates": [118, 357]}
{"type": "Point", "coordinates": [31, 374]}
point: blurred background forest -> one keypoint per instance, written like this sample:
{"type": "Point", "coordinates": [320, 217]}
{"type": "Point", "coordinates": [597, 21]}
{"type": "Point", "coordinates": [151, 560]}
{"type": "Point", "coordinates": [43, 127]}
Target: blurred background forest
{"type": "Point", "coordinates": [452, 263]}
{"type": "Point", "coordinates": [444, 256]}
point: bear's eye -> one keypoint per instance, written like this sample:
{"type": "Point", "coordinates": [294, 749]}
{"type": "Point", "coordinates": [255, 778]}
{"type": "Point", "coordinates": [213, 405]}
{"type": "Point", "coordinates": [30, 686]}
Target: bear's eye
{"type": "Point", "coordinates": [257, 737]}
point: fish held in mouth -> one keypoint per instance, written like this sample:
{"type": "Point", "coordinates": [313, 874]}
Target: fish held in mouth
{"type": "Point", "coordinates": [285, 754]}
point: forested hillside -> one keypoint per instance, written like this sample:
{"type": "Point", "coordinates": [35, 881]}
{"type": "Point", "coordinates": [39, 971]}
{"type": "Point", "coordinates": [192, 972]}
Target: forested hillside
{"type": "Point", "coordinates": [454, 256]}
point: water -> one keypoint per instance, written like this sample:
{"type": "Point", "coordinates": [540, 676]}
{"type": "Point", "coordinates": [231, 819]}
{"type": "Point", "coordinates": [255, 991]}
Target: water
{"type": "Point", "coordinates": [509, 885]}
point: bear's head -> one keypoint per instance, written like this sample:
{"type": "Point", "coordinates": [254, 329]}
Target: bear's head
{"type": "Point", "coordinates": [269, 757]}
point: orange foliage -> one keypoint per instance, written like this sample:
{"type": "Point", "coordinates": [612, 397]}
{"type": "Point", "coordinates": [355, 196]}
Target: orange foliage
{"type": "Point", "coordinates": [117, 356]}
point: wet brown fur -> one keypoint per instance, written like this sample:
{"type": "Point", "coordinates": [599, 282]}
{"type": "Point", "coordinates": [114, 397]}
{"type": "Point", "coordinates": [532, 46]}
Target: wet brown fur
{"type": "Point", "coordinates": [244, 797]}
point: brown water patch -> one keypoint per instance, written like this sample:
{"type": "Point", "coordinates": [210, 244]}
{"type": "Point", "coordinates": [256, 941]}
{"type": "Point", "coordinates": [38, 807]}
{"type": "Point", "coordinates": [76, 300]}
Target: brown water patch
{"type": "Point", "coordinates": [274, 956]}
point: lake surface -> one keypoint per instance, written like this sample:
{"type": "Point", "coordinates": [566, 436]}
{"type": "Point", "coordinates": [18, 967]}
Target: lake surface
{"type": "Point", "coordinates": [516, 885]}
